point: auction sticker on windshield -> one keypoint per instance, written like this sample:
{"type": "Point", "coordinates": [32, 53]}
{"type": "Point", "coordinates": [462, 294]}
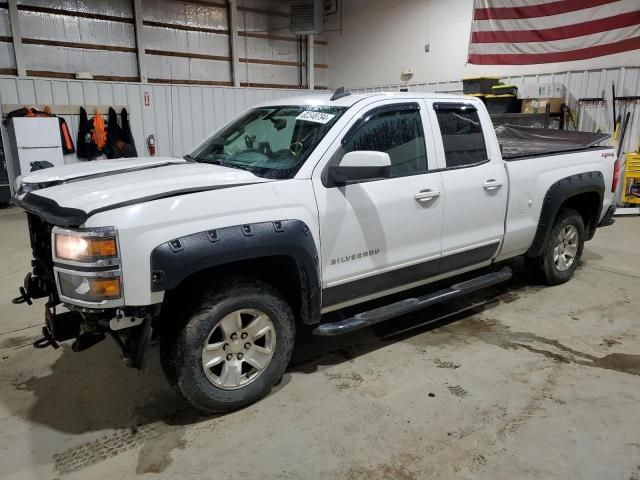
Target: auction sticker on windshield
{"type": "Point", "coordinates": [318, 117]}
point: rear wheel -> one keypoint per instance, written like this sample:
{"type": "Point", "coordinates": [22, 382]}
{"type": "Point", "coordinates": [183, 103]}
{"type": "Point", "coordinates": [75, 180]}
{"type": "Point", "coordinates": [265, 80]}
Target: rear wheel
{"type": "Point", "coordinates": [233, 349]}
{"type": "Point", "coordinates": [562, 250]}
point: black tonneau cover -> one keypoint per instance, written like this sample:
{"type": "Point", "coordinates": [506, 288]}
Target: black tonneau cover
{"type": "Point", "coordinates": [519, 141]}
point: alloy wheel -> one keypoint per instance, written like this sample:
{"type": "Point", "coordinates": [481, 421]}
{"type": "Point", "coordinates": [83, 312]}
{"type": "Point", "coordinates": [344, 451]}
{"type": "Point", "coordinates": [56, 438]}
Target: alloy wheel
{"type": "Point", "coordinates": [566, 249]}
{"type": "Point", "coordinates": [239, 348]}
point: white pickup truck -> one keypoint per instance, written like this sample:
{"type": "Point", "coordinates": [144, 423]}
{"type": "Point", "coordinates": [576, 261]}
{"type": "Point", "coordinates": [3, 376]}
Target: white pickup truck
{"type": "Point", "coordinates": [297, 208]}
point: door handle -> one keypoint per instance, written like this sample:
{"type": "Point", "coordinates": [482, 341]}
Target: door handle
{"type": "Point", "coordinates": [426, 195]}
{"type": "Point", "coordinates": [492, 184]}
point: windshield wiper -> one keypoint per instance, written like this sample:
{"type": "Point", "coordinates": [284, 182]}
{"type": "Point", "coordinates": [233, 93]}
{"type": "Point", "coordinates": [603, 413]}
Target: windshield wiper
{"type": "Point", "coordinates": [219, 161]}
{"type": "Point", "coordinates": [234, 165]}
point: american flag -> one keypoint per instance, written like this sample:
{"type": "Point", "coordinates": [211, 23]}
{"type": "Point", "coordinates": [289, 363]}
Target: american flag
{"type": "Point", "coordinates": [524, 32]}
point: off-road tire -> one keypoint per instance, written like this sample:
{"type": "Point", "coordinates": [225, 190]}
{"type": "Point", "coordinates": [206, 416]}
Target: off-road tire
{"type": "Point", "coordinates": [181, 350]}
{"type": "Point", "coordinates": [544, 265]}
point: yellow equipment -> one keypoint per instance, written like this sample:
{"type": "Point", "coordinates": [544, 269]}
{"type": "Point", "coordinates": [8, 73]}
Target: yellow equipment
{"type": "Point", "coordinates": [631, 182]}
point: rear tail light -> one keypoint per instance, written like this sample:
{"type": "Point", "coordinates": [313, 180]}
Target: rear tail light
{"type": "Point", "coordinates": [616, 175]}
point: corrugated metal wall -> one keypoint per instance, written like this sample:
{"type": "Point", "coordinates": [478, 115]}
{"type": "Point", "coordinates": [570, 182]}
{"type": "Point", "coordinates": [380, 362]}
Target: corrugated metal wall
{"type": "Point", "coordinates": [40, 25]}
{"type": "Point", "coordinates": [579, 84]}
{"type": "Point", "coordinates": [185, 42]}
{"type": "Point", "coordinates": [179, 116]}
{"type": "Point", "coordinates": [200, 40]}
{"type": "Point", "coordinates": [7, 58]}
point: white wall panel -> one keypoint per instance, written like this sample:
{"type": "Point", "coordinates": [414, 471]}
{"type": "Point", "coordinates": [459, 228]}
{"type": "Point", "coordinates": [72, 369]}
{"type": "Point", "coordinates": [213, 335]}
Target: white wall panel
{"type": "Point", "coordinates": [176, 68]}
{"type": "Point", "coordinates": [173, 40]}
{"type": "Point", "coordinates": [270, 49]}
{"type": "Point", "coordinates": [7, 57]}
{"type": "Point", "coordinates": [259, 22]}
{"type": "Point", "coordinates": [180, 116]}
{"type": "Point", "coordinates": [257, 16]}
{"type": "Point", "coordinates": [5, 26]}
{"type": "Point", "coordinates": [116, 8]}
{"type": "Point", "coordinates": [274, 74]}
{"type": "Point", "coordinates": [162, 38]}
{"type": "Point", "coordinates": [320, 53]}
{"type": "Point", "coordinates": [184, 13]}
{"type": "Point", "coordinates": [71, 60]}
{"type": "Point", "coordinates": [46, 26]}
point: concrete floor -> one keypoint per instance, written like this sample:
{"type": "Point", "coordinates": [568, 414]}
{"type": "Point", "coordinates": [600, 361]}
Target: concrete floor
{"type": "Point", "coordinates": [538, 383]}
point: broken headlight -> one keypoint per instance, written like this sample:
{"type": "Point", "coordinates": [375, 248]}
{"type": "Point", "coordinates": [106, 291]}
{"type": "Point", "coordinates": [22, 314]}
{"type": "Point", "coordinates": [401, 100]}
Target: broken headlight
{"type": "Point", "coordinates": [93, 287]}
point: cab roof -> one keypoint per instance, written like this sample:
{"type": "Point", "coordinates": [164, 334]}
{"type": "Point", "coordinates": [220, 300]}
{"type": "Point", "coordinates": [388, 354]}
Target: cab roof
{"type": "Point", "coordinates": [324, 99]}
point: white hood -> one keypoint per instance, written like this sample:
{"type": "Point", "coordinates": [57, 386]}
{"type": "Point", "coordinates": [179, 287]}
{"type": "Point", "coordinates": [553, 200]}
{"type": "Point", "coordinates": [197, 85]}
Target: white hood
{"type": "Point", "coordinates": [97, 167]}
{"type": "Point", "coordinates": [95, 186]}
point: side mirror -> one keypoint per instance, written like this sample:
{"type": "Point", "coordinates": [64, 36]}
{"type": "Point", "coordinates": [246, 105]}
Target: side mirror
{"type": "Point", "coordinates": [361, 166]}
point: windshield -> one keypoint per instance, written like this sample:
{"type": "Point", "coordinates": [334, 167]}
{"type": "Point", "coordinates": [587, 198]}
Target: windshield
{"type": "Point", "coordinates": [271, 142]}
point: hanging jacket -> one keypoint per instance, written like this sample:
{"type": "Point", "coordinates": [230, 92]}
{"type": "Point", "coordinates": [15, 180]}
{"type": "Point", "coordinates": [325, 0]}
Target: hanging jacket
{"type": "Point", "coordinates": [114, 135]}
{"type": "Point", "coordinates": [99, 134]}
{"type": "Point", "coordinates": [86, 148]}
{"type": "Point", "coordinates": [114, 132]}
{"type": "Point", "coordinates": [65, 137]}
{"type": "Point", "coordinates": [127, 136]}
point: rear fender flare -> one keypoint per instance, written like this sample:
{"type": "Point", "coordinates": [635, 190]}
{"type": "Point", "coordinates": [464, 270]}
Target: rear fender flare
{"type": "Point", "coordinates": [559, 193]}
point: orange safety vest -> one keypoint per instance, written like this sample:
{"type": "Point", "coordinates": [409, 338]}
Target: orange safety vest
{"type": "Point", "coordinates": [99, 135]}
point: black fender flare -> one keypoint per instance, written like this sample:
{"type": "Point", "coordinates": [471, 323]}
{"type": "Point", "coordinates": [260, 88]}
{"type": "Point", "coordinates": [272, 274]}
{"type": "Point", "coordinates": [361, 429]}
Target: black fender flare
{"type": "Point", "coordinates": [559, 193]}
{"type": "Point", "coordinates": [175, 260]}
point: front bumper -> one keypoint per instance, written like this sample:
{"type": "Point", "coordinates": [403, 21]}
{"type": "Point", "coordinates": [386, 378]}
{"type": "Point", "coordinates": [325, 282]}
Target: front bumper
{"type": "Point", "coordinates": [85, 322]}
{"type": "Point", "coordinates": [608, 217]}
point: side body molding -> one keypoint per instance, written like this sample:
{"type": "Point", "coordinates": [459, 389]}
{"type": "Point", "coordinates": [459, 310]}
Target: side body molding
{"type": "Point", "coordinates": [175, 260]}
{"type": "Point", "coordinates": [557, 194]}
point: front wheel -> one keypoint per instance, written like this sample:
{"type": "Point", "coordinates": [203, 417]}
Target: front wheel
{"type": "Point", "coordinates": [562, 250]}
{"type": "Point", "coordinates": [233, 349]}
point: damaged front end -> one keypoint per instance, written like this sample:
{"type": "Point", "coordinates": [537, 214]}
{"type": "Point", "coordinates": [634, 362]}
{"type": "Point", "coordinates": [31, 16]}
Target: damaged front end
{"type": "Point", "coordinates": [80, 270]}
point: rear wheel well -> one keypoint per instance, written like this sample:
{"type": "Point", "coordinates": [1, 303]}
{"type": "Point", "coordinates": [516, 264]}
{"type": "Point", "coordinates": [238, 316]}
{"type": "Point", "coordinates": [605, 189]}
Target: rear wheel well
{"type": "Point", "coordinates": [588, 206]}
{"type": "Point", "coordinates": [282, 272]}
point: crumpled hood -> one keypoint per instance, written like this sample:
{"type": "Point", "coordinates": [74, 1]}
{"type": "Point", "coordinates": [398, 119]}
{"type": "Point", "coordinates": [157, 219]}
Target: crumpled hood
{"type": "Point", "coordinates": [80, 193]}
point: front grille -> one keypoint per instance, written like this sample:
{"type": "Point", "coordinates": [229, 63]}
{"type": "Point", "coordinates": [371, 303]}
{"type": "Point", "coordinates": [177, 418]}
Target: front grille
{"type": "Point", "coordinates": [40, 236]}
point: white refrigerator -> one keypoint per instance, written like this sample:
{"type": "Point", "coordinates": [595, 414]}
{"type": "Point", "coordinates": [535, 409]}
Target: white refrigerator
{"type": "Point", "coordinates": [32, 140]}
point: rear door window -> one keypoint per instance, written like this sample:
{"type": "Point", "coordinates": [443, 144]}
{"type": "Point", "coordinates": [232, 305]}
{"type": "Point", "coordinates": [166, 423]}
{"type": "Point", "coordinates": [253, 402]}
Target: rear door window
{"type": "Point", "coordinates": [462, 136]}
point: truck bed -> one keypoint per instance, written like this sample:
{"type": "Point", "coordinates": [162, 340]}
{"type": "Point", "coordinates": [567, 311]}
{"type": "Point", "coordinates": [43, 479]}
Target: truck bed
{"type": "Point", "coordinates": [518, 142]}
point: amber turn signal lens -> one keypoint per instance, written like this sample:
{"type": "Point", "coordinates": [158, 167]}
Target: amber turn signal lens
{"type": "Point", "coordinates": [102, 247]}
{"type": "Point", "coordinates": [89, 289]}
{"type": "Point", "coordinates": [85, 249]}
{"type": "Point", "coordinates": [105, 287]}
